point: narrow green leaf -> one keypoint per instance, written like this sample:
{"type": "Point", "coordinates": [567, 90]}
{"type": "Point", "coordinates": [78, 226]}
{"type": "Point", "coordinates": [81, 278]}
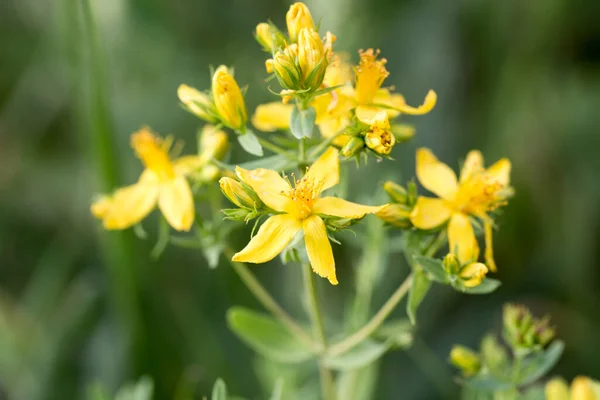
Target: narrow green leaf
{"type": "Point", "coordinates": [539, 364]}
{"type": "Point", "coordinates": [433, 267]}
{"type": "Point", "coordinates": [419, 288]}
{"type": "Point", "coordinates": [219, 391]}
{"type": "Point", "coordinates": [142, 390]}
{"type": "Point", "coordinates": [302, 122]}
{"type": "Point", "coordinates": [266, 336]}
{"type": "Point", "coordinates": [487, 286]}
{"type": "Point", "coordinates": [164, 231]}
{"type": "Point", "coordinates": [487, 383]}
{"type": "Point", "coordinates": [249, 142]}
{"type": "Point", "coordinates": [276, 163]}
{"type": "Point", "coordinates": [360, 356]}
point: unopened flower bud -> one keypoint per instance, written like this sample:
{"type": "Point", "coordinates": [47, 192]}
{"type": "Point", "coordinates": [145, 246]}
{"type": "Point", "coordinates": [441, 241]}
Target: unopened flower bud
{"type": "Point", "coordinates": [397, 215]}
{"type": "Point", "coordinates": [473, 274]}
{"type": "Point", "coordinates": [403, 132]}
{"type": "Point", "coordinates": [269, 65]}
{"type": "Point", "coordinates": [264, 36]}
{"type": "Point", "coordinates": [213, 143]}
{"type": "Point", "coordinates": [397, 193]}
{"type": "Point", "coordinates": [413, 192]}
{"type": "Point", "coordinates": [196, 102]}
{"type": "Point", "coordinates": [311, 58]}
{"type": "Point", "coordinates": [582, 388]}
{"type": "Point", "coordinates": [451, 264]}
{"type": "Point", "coordinates": [228, 99]}
{"type": "Point", "coordinates": [557, 389]}
{"type": "Point", "coordinates": [286, 71]}
{"type": "Point", "coordinates": [297, 18]}
{"type": "Point", "coordinates": [235, 192]}
{"type": "Point", "coordinates": [465, 359]}
{"type": "Point", "coordinates": [379, 138]}
{"type": "Point", "coordinates": [353, 146]}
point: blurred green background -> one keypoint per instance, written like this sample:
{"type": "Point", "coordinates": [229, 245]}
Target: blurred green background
{"type": "Point", "coordinates": [514, 78]}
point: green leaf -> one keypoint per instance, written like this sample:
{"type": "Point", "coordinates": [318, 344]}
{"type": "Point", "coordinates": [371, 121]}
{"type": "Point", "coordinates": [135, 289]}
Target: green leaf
{"type": "Point", "coordinates": [277, 393]}
{"type": "Point", "coordinates": [219, 391]}
{"type": "Point", "coordinates": [539, 364]}
{"type": "Point", "coordinates": [164, 231]}
{"type": "Point", "coordinates": [418, 290]}
{"type": "Point", "coordinates": [266, 336]}
{"type": "Point", "coordinates": [360, 356]}
{"type": "Point", "coordinates": [487, 286]}
{"type": "Point", "coordinates": [277, 163]}
{"type": "Point", "coordinates": [433, 267]}
{"type": "Point", "coordinates": [142, 390]}
{"type": "Point", "coordinates": [249, 142]}
{"type": "Point", "coordinates": [302, 122]}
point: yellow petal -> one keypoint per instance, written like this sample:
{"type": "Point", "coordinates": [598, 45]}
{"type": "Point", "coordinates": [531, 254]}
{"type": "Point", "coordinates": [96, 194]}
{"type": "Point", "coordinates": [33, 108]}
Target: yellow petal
{"type": "Point", "coordinates": [101, 206]}
{"type": "Point", "coordinates": [500, 171]}
{"type": "Point", "coordinates": [473, 274]}
{"type": "Point", "coordinates": [428, 104]}
{"type": "Point", "coordinates": [581, 389]}
{"type": "Point", "coordinates": [434, 175]}
{"type": "Point", "coordinates": [268, 185]}
{"type": "Point", "coordinates": [557, 389]}
{"type": "Point", "coordinates": [366, 114]}
{"type": "Point", "coordinates": [342, 208]}
{"type": "Point", "coordinates": [489, 249]}
{"type": "Point", "coordinates": [318, 248]}
{"type": "Point", "coordinates": [272, 237]}
{"type": "Point", "coordinates": [130, 205]}
{"type": "Point", "coordinates": [326, 170]}
{"type": "Point", "coordinates": [473, 164]}
{"type": "Point", "coordinates": [461, 238]}
{"type": "Point", "coordinates": [187, 164]}
{"type": "Point", "coordinates": [429, 213]}
{"type": "Point", "coordinates": [176, 202]}
{"type": "Point", "coordinates": [272, 116]}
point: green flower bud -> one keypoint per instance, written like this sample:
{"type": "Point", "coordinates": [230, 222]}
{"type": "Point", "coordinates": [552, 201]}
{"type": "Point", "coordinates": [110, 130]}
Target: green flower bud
{"type": "Point", "coordinates": [397, 215]}
{"type": "Point", "coordinates": [397, 193]}
{"type": "Point", "coordinates": [465, 359]}
{"type": "Point", "coordinates": [354, 146]}
{"type": "Point", "coordinates": [451, 264]}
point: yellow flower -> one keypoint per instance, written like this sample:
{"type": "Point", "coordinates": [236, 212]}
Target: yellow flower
{"type": "Point", "coordinates": [297, 18]}
{"type": "Point", "coordinates": [196, 102]}
{"type": "Point", "coordinates": [473, 274]}
{"type": "Point", "coordinates": [300, 208]}
{"type": "Point", "coordinates": [475, 194]}
{"type": "Point", "coordinates": [272, 116]}
{"type": "Point", "coordinates": [163, 182]}
{"type": "Point", "coordinates": [379, 137]}
{"type": "Point", "coordinates": [370, 74]}
{"type": "Point", "coordinates": [582, 388]}
{"type": "Point", "coordinates": [228, 99]}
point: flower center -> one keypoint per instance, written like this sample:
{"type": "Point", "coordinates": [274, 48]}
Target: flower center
{"type": "Point", "coordinates": [154, 153]}
{"type": "Point", "coordinates": [303, 196]}
{"type": "Point", "coordinates": [479, 194]}
{"type": "Point", "coordinates": [370, 74]}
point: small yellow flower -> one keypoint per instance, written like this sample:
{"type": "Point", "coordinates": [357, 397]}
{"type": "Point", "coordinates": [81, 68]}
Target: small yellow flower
{"type": "Point", "coordinates": [311, 58]}
{"type": "Point", "coordinates": [582, 388]}
{"type": "Point", "coordinates": [228, 99]}
{"type": "Point", "coordinates": [272, 116]}
{"type": "Point", "coordinates": [196, 102]}
{"type": "Point", "coordinates": [465, 359]}
{"type": "Point", "coordinates": [475, 194]}
{"type": "Point", "coordinates": [163, 182]}
{"type": "Point", "coordinates": [300, 208]}
{"type": "Point", "coordinates": [379, 137]}
{"type": "Point", "coordinates": [297, 18]}
{"type": "Point", "coordinates": [473, 274]}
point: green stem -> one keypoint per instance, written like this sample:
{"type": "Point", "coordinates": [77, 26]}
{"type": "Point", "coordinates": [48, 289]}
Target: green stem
{"type": "Point", "coordinates": [270, 303]}
{"type": "Point", "coordinates": [274, 148]}
{"type": "Point", "coordinates": [302, 151]}
{"type": "Point", "coordinates": [327, 387]}
{"type": "Point", "coordinates": [435, 246]}
{"type": "Point", "coordinates": [323, 145]}
{"type": "Point", "coordinates": [375, 322]}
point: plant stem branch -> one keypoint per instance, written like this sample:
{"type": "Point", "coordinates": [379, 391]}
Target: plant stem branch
{"type": "Point", "coordinates": [375, 322]}
{"type": "Point", "coordinates": [267, 144]}
{"type": "Point", "coordinates": [270, 303]}
{"type": "Point", "coordinates": [327, 387]}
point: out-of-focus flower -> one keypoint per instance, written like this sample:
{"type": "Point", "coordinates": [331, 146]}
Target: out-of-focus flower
{"type": "Point", "coordinates": [272, 116]}
{"type": "Point", "coordinates": [196, 102]}
{"type": "Point", "coordinates": [300, 208]}
{"type": "Point", "coordinates": [465, 359]}
{"type": "Point", "coordinates": [582, 388]}
{"type": "Point", "coordinates": [478, 192]}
